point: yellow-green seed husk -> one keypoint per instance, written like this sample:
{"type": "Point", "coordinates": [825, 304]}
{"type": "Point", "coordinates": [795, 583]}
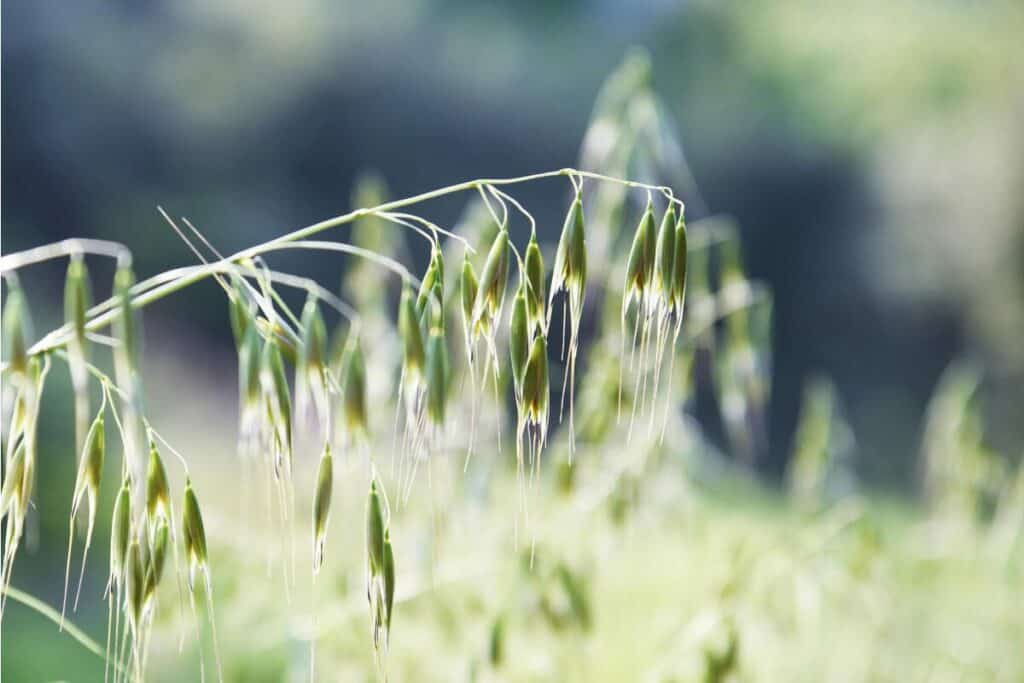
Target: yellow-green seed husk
{"type": "Point", "coordinates": [192, 526]}
{"type": "Point", "coordinates": [273, 367]}
{"type": "Point", "coordinates": [92, 455]}
{"type": "Point", "coordinates": [535, 294]}
{"type": "Point", "coordinates": [535, 380]}
{"type": "Point", "coordinates": [136, 581]}
{"type": "Point", "coordinates": [494, 278]}
{"type": "Point", "coordinates": [437, 376]}
{"type": "Point", "coordinates": [16, 330]}
{"type": "Point", "coordinates": [157, 558]}
{"type": "Point", "coordinates": [355, 388]}
{"type": "Point", "coordinates": [519, 338]}
{"type": "Point", "coordinates": [14, 481]}
{"type": "Point", "coordinates": [158, 492]}
{"type": "Point", "coordinates": [434, 275]}
{"type": "Point", "coordinates": [468, 287]}
{"type": "Point", "coordinates": [374, 531]}
{"type": "Point", "coordinates": [239, 312]}
{"type": "Point", "coordinates": [641, 258]}
{"type": "Point", "coordinates": [679, 266]}
{"type": "Point", "coordinates": [120, 533]}
{"type": "Point", "coordinates": [249, 366]}
{"type": "Point", "coordinates": [324, 489]}
{"type": "Point", "coordinates": [570, 271]}
{"type": "Point", "coordinates": [413, 354]}
{"type": "Point", "coordinates": [665, 254]}
{"type": "Point", "coordinates": [312, 355]}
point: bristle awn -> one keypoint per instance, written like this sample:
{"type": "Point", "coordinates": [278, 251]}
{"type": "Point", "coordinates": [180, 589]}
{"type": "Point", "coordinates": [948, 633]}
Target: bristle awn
{"type": "Point", "coordinates": [519, 355]}
{"type": "Point", "coordinates": [490, 295]}
{"type": "Point", "coordinates": [678, 299]}
{"type": "Point", "coordinates": [77, 300]}
{"type": "Point", "coordinates": [194, 534]}
{"type": "Point", "coordinates": [87, 483]}
{"type": "Point", "coordinates": [120, 535]}
{"type": "Point", "coordinates": [91, 473]}
{"type": "Point", "coordinates": [413, 368]}
{"type": "Point", "coordinates": [570, 276]}
{"type": "Point", "coordinates": [639, 272]}
{"type": "Point", "coordinates": [468, 287]}
{"type": "Point", "coordinates": [160, 511]}
{"type": "Point", "coordinates": [664, 271]}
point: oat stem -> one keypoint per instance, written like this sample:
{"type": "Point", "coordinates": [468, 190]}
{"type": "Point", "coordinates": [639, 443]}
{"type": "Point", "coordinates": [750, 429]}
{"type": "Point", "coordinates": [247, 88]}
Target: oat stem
{"type": "Point", "coordinates": [68, 247]}
{"type": "Point", "coordinates": [294, 239]}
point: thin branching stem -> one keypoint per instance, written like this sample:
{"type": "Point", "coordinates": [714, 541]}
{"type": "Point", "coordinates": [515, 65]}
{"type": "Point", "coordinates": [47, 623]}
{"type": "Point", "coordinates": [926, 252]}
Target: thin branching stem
{"type": "Point", "coordinates": [61, 335]}
{"type": "Point", "coordinates": [69, 247]}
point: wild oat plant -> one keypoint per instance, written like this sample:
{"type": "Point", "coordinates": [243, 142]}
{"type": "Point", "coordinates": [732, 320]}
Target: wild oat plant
{"type": "Point", "coordinates": [570, 368]}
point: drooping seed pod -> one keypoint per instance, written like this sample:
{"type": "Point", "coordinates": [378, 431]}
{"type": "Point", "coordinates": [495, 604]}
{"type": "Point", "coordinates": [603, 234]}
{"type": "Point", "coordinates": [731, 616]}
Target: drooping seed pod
{"type": "Point", "coordinates": [433, 276]}
{"type": "Point", "coordinates": [157, 559]}
{"type": "Point", "coordinates": [570, 271]}
{"type": "Point", "coordinates": [374, 531]}
{"type": "Point", "coordinates": [158, 492]}
{"type": "Point", "coordinates": [413, 355]}
{"type": "Point", "coordinates": [535, 383]}
{"type": "Point", "coordinates": [87, 487]}
{"type": "Point", "coordinates": [120, 533]}
{"type": "Point", "coordinates": [249, 356]}
{"type": "Point", "coordinates": [468, 288]}
{"type": "Point", "coordinates": [535, 294]}
{"type": "Point", "coordinates": [388, 576]}
{"type": "Point", "coordinates": [313, 354]}
{"type": "Point", "coordinates": [16, 329]}
{"type": "Point", "coordinates": [640, 266]}
{"type": "Point", "coordinates": [194, 534]}
{"type": "Point", "coordinates": [664, 258]}
{"type": "Point", "coordinates": [438, 311]}
{"type": "Point", "coordinates": [490, 294]}
{"type": "Point", "coordinates": [437, 376]}
{"type": "Point", "coordinates": [679, 264]}
{"type": "Point", "coordinates": [354, 388]}
{"type": "Point", "coordinates": [277, 396]}
{"type": "Point", "coordinates": [136, 589]}
{"type": "Point", "coordinates": [322, 506]}
{"type": "Point", "coordinates": [519, 339]}
{"type": "Point", "coordinates": [239, 312]}
{"type": "Point", "coordinates": [310, 386]}
{"type": "Point", "coordinates": [90, 469]}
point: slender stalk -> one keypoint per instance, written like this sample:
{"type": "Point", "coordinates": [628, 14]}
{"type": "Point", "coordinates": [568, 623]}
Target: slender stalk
{"type": "Point", "coordinates": [60, 336]}
{"type": "Point", "coordinates": [69, 247]}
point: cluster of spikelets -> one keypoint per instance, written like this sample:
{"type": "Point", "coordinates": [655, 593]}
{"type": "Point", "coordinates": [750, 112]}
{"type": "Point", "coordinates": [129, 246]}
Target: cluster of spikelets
{"type": "Point", "coordinates": [143, 528]}
{"type": "Point", "coordinates": [330, 382]}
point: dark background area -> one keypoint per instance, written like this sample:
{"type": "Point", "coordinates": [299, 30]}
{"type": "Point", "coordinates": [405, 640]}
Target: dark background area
{"type": "Point", "coordinates": [872, 155]}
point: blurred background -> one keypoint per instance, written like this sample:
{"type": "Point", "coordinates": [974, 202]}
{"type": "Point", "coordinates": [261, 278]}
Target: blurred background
{"type": "Point", "coordinates": [872, 154]}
